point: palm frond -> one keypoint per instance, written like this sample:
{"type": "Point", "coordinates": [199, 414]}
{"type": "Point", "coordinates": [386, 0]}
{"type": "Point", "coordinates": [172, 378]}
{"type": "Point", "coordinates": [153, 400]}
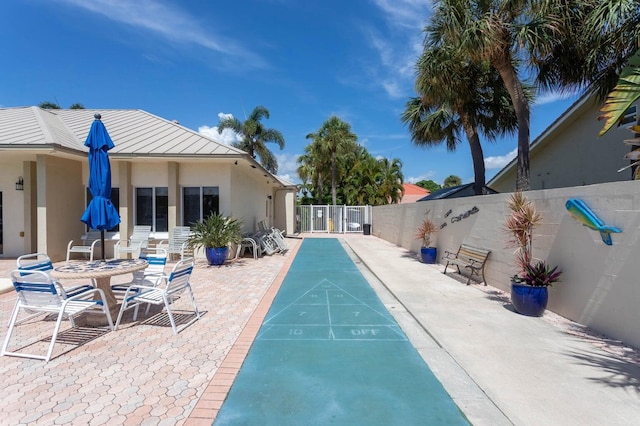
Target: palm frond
{"type": "Point", "coordinates": [625, 94]}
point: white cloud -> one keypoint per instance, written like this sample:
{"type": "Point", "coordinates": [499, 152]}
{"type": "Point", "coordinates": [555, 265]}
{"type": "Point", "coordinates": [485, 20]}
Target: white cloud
{"type": "Point", "coordinates": [169, 22]}
{"type": "Point", "coordinates": [427, 176]}
{"type": "Point", "coordinates": [547, 98]}
{"type": "Point", "coordinates": [399, 48]}
{"type": "Point", "coordinates": [498, 162]}
{"type": "Point", "coordinates": [288, 166]}
{"type": "Point", "coordinates": [405, 13]}
{"type": "Point", "coordinates": [227, 136]}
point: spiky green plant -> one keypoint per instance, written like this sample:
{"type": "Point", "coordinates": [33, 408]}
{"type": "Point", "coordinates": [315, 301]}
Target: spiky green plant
{"type": "Point", "coordinates": [540, 274]}
{"type": "Point", "coordinates": [215, 231]}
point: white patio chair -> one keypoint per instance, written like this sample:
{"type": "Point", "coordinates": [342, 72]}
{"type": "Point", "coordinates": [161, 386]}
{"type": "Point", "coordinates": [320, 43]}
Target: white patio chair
{"type": "Point", "coordinates": [41, 262]}
{"type": "Point", "coordinates": [139, 240]}
{"type": "Point", "coordinates": [38, 292]}
{"type": "Point", "coordinates": [168, 290]}
{"type": "Point", "coordinates": [278, 237]}
{"type": "Point", "coordinates": [249, 242]}
{"type": "Point", "coordinates": [157, 260]}
{"type": "Point", "coordinates": [177, 243]}
{"type": "Point", "coordinates": [267, 243]}
{"type": "Point", "coordinates": [89, 243]}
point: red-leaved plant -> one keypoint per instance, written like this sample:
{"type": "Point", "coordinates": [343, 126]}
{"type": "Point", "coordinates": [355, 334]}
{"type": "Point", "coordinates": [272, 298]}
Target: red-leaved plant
{"type": "Point", "coordinates": [519, 225]}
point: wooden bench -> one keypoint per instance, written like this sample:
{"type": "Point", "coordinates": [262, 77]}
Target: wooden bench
{"type": "Point", "coordinates": [469, 257]}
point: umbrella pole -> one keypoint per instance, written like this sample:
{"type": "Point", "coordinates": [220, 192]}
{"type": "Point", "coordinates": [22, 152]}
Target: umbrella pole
{"type": "Point", "coordinates": [102, 243]}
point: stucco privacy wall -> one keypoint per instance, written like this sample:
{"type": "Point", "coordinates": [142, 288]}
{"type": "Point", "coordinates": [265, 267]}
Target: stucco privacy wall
{"type": "Point", "coordinates": [599, 287]}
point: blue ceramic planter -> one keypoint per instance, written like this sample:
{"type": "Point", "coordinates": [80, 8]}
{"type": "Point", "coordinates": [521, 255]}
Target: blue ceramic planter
{"type": "Point", "coordinates": [529, 300]}
{"type": "Point", "coordinates": [216, 256]}
{"type": "Point", "coordinates": [429, 254]}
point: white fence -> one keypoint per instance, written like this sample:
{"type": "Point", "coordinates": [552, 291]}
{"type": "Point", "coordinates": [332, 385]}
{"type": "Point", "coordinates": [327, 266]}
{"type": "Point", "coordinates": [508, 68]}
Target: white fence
{"type": "Point", "coordinates": [337, 219]}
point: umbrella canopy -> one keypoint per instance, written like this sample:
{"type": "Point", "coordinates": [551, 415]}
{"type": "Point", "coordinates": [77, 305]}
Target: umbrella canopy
{"type": "Point", "coordinates": [101, 214]}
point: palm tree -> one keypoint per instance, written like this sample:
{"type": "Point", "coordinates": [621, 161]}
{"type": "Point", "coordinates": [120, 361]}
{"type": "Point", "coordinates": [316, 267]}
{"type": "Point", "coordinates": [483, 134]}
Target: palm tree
{"type": "Point", "coordinates": [390, 180]}
{"type": "Point", "coordinates": [359, 185]}
{"type": "Point", "coordinates": [451, 181]}
{"type": "Point", "coordinates": [333, 137]}
{"type": "Point", "coordinates": [503, 33]}
{"type": "Point", "coordinates": [458, 96]}
{"type": "Point", "coordinates": [313, 169]}
{"type": "Point", "coordinates": [604, 36]}
{"type": "Point", "coordinates": [255, 136]}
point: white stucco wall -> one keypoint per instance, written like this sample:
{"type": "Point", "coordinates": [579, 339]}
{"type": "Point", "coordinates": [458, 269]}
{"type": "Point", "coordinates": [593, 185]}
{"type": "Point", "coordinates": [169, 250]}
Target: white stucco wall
{"type": "Point", "coordinates": [599, 286]}
{"type": "Point", "coordinates": [249, 200]}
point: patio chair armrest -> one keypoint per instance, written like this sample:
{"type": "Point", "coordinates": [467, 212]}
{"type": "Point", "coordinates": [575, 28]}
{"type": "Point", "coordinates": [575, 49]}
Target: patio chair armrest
{"type": "Point", "coordinates": [93, 244]}
{"type": "Point", "coordinates": [69, 245]}
{"type": "Point", "coordinates": [162, 244]}
{"type": "Point", "coordinates": [83, 295]}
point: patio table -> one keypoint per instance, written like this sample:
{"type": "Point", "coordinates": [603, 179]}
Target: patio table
{"type": "Point", "coordinates": [100, 271]}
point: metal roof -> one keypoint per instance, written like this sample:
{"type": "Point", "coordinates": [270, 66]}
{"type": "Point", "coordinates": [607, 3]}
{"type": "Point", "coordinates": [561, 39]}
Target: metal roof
{"type": "Point", "coordinates": [134, 132]}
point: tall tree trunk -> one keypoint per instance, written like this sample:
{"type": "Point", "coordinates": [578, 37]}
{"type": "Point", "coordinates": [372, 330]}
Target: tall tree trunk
{"type": "Point", "coordinates": [477, 157]}
{"type": "Point", "coordinates": [334, 194]}
{"type": "Point", "coordinates": [521, 107]}
{"type": "Point", "coordinates": [320, 188]}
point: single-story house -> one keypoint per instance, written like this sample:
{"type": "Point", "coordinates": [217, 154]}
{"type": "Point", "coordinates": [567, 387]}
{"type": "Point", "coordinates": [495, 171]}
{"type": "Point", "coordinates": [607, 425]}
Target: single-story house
{"type": "Point", "coordinates": [570, 153]}
{"type": "Point", "coordinates": [163, 175]}
{"type": "Point", "coordinates": [412, 193]}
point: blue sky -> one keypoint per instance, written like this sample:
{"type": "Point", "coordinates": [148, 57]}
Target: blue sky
{"type": "Point", "coordinates": [195, 61]}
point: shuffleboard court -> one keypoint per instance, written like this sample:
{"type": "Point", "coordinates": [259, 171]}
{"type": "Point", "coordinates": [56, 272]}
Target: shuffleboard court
{"type": "Point", "coordinates": [329, 352]}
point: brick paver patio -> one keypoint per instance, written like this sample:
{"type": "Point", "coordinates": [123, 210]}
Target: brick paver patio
{"type": "Point", "coordinates": [142, 373]}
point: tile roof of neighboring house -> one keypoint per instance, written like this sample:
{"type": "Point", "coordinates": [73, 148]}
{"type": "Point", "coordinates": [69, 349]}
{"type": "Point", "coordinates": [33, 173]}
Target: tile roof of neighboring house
{"type": "Point", "coordinates": [413, 193]}
{"type": "Point", "coordinates": [134, 132]}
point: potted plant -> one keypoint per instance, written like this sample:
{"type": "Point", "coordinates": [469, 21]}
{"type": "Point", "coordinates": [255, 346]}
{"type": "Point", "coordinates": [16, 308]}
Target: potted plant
{"type": "Point", "coordinates": [214, 234]}
{"type": "Point", "coordinates": [529, 292]}
{"type": "Point", "coordinates": [428, 253]}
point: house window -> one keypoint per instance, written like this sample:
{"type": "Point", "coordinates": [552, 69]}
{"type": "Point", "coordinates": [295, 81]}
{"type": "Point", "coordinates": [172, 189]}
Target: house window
{"type": "Point", "coordinates": [115, 199]}
{"type": "Point", "coordinates": [152, 208]}
{"type": "Point", "coordinates": [629, 116]}
{"type": "Point", "coordinates": [199, 203]}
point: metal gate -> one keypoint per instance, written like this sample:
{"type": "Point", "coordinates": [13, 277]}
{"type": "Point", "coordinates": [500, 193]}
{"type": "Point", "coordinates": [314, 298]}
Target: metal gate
{"type": "Point", "coordinates": [338, 219]}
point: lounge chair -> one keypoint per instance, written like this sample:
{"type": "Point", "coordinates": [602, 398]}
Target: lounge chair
{"type": "Point", "coordinates": [89, 242]}
{"type": "Point", "coordinates": [139, 240]}
{"type": "Point", "coordinates": [39, 293]}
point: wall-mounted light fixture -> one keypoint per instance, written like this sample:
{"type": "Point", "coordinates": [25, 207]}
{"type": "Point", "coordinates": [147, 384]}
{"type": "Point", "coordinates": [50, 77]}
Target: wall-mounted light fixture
{"type": "Point", "coordinates": [269, 196]}
{"type": "Point", "coordinates": [236, 163]}
{"type": "Point", "coordinates": [20, 184]}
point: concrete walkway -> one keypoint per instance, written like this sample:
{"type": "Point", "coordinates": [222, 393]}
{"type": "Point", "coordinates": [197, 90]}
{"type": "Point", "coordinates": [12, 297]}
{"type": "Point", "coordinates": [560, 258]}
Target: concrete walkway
{"type": "Point", "coordinates": [498, 366]}
{"type": "Point", "coordinates": [501, 367]}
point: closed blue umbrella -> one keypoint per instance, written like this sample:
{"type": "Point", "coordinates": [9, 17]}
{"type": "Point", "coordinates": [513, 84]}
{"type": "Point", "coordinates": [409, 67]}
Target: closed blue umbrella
{"type": "Point", "coordinates": [100, 214]}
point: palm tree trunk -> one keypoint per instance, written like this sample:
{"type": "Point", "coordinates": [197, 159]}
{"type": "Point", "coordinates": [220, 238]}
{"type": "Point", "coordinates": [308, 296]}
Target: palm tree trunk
{"type": "Point", "coordinates": [521, 107]}
{"type": "Point", "coordinates": [477, 157]}
{"type": "Point", "coordinates": [333, 178]}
